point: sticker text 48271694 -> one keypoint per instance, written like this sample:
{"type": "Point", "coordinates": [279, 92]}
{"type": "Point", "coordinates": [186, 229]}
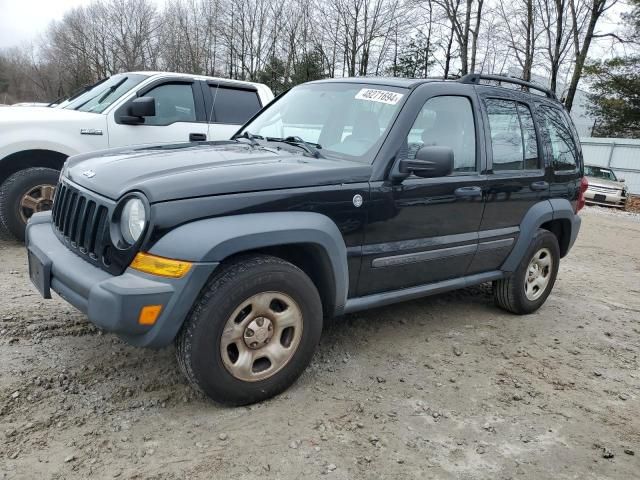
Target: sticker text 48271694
{"type": "Point", "coordinates": [381, 96]}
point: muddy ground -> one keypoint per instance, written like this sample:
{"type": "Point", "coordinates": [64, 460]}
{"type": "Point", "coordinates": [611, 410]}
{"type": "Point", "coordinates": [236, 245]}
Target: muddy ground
{"type": "Point", "coordinates": [444, 387]}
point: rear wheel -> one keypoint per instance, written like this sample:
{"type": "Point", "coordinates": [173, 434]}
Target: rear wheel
{"type": "Point", "coordinates": [252, 332]}
{"type": "Point", "coordinates": [529, 286]}
{"type": "Point", "coordinates": [24, 193]}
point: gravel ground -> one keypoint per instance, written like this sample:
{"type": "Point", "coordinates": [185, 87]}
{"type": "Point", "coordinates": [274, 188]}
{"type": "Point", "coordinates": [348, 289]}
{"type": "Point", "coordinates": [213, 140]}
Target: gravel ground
{"type": "Point", "coordinates": [443, 387]}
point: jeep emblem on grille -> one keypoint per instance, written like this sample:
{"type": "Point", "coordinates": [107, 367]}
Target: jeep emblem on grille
{"type": "Point", "coordinates": [89, 173]}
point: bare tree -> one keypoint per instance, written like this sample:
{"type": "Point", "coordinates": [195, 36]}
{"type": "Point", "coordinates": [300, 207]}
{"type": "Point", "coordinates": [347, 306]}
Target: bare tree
{"type": "Point", "coordinates": [582, 38]}
{"type": "Point", "coordinates": [519, 21]}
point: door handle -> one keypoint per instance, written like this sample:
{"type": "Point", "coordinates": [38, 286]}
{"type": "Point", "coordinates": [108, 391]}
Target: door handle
{"type": "Point", "coordinates": [468, 192]}
{"type": "Point", "coordinates": [197, 137]}
{"type": "Point", "coordinates": [539, 186]}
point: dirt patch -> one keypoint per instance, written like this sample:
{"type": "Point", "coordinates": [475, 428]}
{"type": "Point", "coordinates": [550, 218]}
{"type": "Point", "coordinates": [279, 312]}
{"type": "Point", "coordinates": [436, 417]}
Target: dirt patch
{"type": "Point", "coordinates": [443, 387]}
{"type": "Point", "coordinates": [633, 204]}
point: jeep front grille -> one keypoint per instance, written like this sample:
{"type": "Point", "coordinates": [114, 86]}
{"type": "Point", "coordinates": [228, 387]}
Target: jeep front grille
{"type": "Point", "coordinates": [81, 221]}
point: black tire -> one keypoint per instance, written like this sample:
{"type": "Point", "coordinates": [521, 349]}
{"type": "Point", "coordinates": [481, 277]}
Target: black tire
{"type": "Point", "coordinates": [13, 190]}
{"type": "Point", "coordinates": [509, 293]}
{"type": "Point", "coordinates": [198, 344]}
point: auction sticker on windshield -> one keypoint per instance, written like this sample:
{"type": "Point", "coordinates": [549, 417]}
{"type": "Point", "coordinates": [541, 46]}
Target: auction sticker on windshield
{"type": "Point", "coordinates": [382, 96]}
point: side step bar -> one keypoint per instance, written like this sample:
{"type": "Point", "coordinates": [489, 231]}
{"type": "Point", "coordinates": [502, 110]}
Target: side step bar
{"type": "Point", "coordinates": [386, 298]}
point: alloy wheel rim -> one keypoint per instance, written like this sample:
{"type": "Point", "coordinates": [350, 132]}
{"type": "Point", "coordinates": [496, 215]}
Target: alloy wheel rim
{"type": "Point", "coordinates": [261, 336]}
{"type": "Point", "coordinates": [36, 199]}
{"type": "Point", "coordinates": [538, 274]}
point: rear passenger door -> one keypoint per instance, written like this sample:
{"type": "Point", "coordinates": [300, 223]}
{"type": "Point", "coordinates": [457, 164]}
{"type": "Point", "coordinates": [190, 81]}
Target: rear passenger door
{"type": "Point", "coordinates": [516, 178]}
{"type": "Point", "coordinates": [229, 106]}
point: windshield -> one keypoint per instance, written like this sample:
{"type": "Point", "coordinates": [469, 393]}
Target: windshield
{"type": "Point", "coordinates": [98, 98]}
{"type": "Point", "coordinates": [599, 172]}
{"type": "Point", "coordinates": [345, 120]}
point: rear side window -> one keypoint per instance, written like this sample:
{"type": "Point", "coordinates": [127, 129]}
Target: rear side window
{"type": "Point", "coordinates": [513, 135]}
{"type": "Point", "coordinates": [233, 105]}
{"type": "Point", "coordinates": [564, 155]}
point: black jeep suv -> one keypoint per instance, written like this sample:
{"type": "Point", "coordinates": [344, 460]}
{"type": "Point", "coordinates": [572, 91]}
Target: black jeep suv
{"type": "Point", "coordinates": [339, 196]}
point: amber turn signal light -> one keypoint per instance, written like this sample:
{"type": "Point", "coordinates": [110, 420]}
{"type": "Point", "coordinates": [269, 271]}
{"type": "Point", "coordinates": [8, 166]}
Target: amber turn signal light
{"type": "Point", "coordinates": [163, 267]}
{"type": "Point", "coordinates": [149, 314]}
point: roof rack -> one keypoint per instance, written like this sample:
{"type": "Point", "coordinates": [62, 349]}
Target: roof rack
{"type": "Point", "coordinates": [474, 78]}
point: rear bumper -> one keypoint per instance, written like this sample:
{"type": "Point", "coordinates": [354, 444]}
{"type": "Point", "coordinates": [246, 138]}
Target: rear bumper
{"type": "Point", "coordinates": [114, 302]}
{"type": "Point", "coordinates": [576, 222]}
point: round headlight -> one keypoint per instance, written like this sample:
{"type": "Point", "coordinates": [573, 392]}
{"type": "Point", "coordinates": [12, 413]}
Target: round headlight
{"type": "Point", "coordinates": [133, 220]}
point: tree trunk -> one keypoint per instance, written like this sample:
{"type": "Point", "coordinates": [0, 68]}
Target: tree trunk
{"type": "Point", "coordinates": [597, 8]}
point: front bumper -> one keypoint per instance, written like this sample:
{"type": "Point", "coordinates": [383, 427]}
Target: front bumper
{"type": "Point", "coordinates": [114, 302]}
{"type": "Point", "coordinates": [617, 199]}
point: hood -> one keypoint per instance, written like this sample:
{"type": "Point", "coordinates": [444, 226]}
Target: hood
{"type": "Point", "coordinates": [42, 115]}
{"type": "Point", "coordinates": [601, 182]}
{"type": "Point", "coordinates": [187, 170]}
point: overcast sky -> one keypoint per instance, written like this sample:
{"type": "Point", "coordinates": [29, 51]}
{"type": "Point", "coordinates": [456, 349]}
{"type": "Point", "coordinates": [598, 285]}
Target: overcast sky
{"type": "Point", "coordinates": [22, 21]}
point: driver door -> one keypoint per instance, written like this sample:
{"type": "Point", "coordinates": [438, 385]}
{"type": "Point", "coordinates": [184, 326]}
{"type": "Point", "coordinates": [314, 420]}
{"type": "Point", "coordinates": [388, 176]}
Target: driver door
{"type": "Point", "coordinates": [425, 230]}
{"type": "Point", "coordinates": [179, 116]}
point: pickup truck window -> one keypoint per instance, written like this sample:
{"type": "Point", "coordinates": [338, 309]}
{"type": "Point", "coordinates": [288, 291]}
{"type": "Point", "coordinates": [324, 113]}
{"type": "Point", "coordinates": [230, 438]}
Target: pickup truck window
{"type": "Point", "coordinates": [446, 121]}
{"type": "Point", "coordinates": [233, 105]}
{"type": "Point", "coordinates": [563, 148]}
{"type": "Point", "coordinates": [174, 103]}
{"type": "Point", "coordinates": [513, 135]}
{"type": "Point", "coordinates": [347, 120]}
{"type": "Point", "coordinates": [98, 98]}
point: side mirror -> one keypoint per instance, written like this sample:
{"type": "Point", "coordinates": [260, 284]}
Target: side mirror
{"type": "Point", "coordinates": [430, 162]}
{"type": "Point", "coordinates": [621, 180]}
{"type": "Point", "coordinates": [138, 109]}
{"type": "Point", "coordinates": [143, 107]}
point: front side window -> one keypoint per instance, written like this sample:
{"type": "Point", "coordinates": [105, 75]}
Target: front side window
{"type": "Point", "coordinates": [174, 103]}
{"type": "Point", "coordinates": [563, 149]}
{"type": "Point", "coordinates": [345, 120]}
{"type": "Point", "coordinates": [233, 105]}
{"type": "Point", "coordinates": [103, 94]}
{"type": "Point", "coordinates": [513, 135]}
{"type": "Point", "coordinates": [446, 121]}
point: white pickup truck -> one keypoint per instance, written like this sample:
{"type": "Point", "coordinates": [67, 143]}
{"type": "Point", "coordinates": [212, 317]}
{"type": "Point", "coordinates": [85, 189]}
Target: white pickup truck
{"type": "Point", "coordinates": [128, 109]}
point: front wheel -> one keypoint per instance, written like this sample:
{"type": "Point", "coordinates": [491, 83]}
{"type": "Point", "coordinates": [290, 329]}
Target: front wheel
{"type": "Point", "coordinates": [529, 286]}
{"type": "Point", "coordinates": [252, 332]}
{"type": "Point", "coordinates": [24, 193]}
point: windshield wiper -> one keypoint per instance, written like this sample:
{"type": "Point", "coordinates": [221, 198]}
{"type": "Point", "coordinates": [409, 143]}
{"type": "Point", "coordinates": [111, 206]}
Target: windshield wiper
{"type": "Point", "coordinates": [251, 137]}
{"type": "Point", "coordinates": [107, 92]}
{"type": "Point", "coordinates": [312, 149]}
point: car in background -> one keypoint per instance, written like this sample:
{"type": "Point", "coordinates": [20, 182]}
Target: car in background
{"type": "Point", "coordinates": [604, 187]}
{"type": "Point", "coordinates": [125, 110]}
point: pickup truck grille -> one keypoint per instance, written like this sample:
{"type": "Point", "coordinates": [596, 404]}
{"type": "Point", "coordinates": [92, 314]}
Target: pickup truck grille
{"type": "Point", "coordinates": [80, 220]}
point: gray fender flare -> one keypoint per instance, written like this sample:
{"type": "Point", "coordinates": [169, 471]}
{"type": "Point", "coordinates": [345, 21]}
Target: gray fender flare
{"type": "Point", "coordinates": [541, 212]}
{"type": "Point", "coordinates": [214, 239]}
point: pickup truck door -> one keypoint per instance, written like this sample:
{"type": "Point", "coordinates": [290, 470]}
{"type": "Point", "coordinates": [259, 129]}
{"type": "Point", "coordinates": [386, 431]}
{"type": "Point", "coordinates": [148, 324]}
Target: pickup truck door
{"type": "Point", "coordinates": [425, 230]}
{"type": "Point", "coordinates": [180, 116]}
{"type": "Point", "coordinates": [229, 106]}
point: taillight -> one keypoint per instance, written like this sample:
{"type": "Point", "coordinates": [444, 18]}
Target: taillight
{"type": "Point", "coordinates": [584, 184]}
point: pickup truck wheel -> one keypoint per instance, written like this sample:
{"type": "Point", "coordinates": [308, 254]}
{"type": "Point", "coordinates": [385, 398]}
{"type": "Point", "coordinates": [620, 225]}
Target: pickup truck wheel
{"type": "Point", "coordinates": [529, 286]}
{"type": "Point", "coordinates": [24, 193]}
{"type": "Point", "coordinates": [252, 332]}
